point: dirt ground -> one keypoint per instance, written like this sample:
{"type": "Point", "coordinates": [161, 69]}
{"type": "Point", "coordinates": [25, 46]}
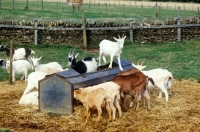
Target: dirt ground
{"type": "Point", "coordinates": [180, 114]}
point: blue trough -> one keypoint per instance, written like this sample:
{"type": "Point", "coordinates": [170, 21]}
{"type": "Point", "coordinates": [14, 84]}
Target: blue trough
{"type": "Point", "coordinates": [56, 90]}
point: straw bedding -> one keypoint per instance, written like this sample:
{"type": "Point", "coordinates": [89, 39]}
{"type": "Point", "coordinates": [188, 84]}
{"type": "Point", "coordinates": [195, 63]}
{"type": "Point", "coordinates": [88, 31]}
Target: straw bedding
{"type": "Point", "coordinates": [181, 113]}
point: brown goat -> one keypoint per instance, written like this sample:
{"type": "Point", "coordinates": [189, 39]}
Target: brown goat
{"type": "Point", "coordinates": [133, 82]}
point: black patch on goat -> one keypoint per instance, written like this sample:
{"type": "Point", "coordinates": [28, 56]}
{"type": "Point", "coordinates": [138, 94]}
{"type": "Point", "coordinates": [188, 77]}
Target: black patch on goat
{"type": "Point", "coordinates": [87, 59]}
{"type": "Point", "coordinates": [80, 67]}
{"type": "Point", "coordinates": [2, 63]}
{"type": "Point", "coordinates": [28, 52]}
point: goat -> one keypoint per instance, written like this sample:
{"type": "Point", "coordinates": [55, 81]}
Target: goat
{"type": "Point", "coordinates": [32, 80]}
{"type": "Point", "coordinates": [2, 63]}
{"type": "Point", "coordinates": [86, 65]}
{"type": "Point", "coordinates": [112, 49]}
{"type": "Point", "coordinates": [49, 70]}
{"type": "Point", "coordinates": [38, 66]}
{"type": "Point", "coordinates": [95, 99]}
{"type": "Point", "coordinates": [29, 99]}
{"type": "Point", "coordinates": [132, 82]}
{"type": "Point", "coordinates": [18, 54]}
{"type": "Point", "coordinates": [19, 67]}
{"type": "Point", "coordinates": [112, 90]}
{"type": "Point", "coordinates": [162, 78]}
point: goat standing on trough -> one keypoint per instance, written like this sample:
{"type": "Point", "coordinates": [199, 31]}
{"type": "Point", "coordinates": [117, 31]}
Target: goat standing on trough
{"type": "Point", "coordinates": [112, 91]}
{"type": "Point", "coordinates": [38, 66]}
{"type": "Point", "coordinates": [112, 49]}
{"type": "Point", "coordinates": [19, 67]}
{"type": "Point", "coordinates": [162, 78]}
{"type": "Point", "coordinates": [18, 54]}
{"type": "Point", "coordinates": [133, 82]}
{"type": "Point", "coordinates": [95, 99]}
{"type": "Point", "coordinates": [86, 65]}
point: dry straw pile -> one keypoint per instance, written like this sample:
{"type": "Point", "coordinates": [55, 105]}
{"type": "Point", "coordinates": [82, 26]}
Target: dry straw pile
{"type": "Point", "coordinates": [181, 113]}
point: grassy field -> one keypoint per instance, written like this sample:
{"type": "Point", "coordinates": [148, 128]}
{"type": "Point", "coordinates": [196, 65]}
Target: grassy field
{"type": "Point", "coordinates": [182, 59]}
{"type": "Point", "coordinates": [63, 10]}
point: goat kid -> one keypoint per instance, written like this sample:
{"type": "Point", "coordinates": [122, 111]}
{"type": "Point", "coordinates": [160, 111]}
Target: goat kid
{"type": "Point", "coordinates": [95, 99]}
{"type": "Point", "coordinates": [38, 66]}
{"type": "Point", "coordinates": [18, 54]}
{"type": "Point", "coordinates": [19, 67]}
{"type": "Point", "coordinates": [86, 65]}
{"type": "Point", "coordinates": [29, 99]}
{"type": "Point", "coordinates": [162, 78]}
{"type": "Point", "coordinates": [112, 49]}
{"type": "Point", "coordinates": [112, 91]}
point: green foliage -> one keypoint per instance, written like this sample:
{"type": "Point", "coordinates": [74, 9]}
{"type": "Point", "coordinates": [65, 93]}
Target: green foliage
{"type": "Point", "coordinates": [4, 130]}
{"type": "Point", "coordinates": [182, 59]}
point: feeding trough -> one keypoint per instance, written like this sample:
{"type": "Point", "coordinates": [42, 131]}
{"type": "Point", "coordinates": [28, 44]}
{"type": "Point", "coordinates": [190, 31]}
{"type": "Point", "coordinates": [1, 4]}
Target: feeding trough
{"type": "Point", "coordinates": [56, 90]}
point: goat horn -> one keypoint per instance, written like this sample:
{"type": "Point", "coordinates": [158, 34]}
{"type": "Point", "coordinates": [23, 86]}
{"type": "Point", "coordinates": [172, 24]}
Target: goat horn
{"type": "Point", "coordinates": [123, 36]}
{"type": "Point", "coordinates": [119, 36]}
{"type": "Point", "coordinates": [137, 62]}
{"type": "Point", "coordinates": [73, 51]}
{"type": "Point", "coordinates": [69, 52]}
{"type": "Point", "coordinates": [142, 63]}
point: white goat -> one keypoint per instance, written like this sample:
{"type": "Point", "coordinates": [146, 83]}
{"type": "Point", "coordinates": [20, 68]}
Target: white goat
{"type": "Point", "coordinates": [33, 79]}
{"type": "Point", "coordinates": [19, 67]}
{"type": "Point", "coordinates": [29, 99]}
{"type": "Point", "coordinates": [38, 66]}
{"type": "Point", "coordinates": [109, 48]}
{"type": "Point", "coordinates": [49, 70]}
{"type": "Point", "coordinates": [162, 79]}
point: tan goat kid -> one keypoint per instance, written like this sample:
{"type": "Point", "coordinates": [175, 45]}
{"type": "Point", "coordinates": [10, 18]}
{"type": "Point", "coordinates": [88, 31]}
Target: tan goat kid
{"type": "Point", "coordinates": [96, 99]}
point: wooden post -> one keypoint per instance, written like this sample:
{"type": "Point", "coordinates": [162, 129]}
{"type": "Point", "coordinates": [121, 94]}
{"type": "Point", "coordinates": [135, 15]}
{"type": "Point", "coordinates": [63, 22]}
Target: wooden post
{"type": "Point", "coordinates": [198, 11]}
{"type": "Point", "coordinates": [131, 32]}
{"type": "Point", "coordinates": [57, 6]}
{"type": "Point", "coordinates": [0, 4]}
{"type": "Point", "coordinates": [42, 6]}
{"type": "Point", "coordinates": [13, 4]}
{"type": "Point", "coordinates": [35, 38]}
{"type": "Point", "coordinates": [141, 10]}
{"type": "Point", "coordinates": [159, 13]}
{"type": "Point", "coordinates": [84, 32]}
{"type": "Point", "coordinates": [179, 11]}
{"type": "Point", "coordinates": [11, 59]}
{"type": "Point", "coordinates": [27, 5]}
{"type": "Point", "coordinates": [123, 9]}
{"type": "Point", "coordinates": [106, 9]}
{"type": "Point", "coordinates": [179, 30]}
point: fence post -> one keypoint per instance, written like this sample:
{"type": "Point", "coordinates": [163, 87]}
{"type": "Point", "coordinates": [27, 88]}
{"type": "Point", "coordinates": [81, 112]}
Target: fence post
{"type": "Point", "coordinates": [84, 32]}
{"type": "Point", "coordinates": [0, 4]}
{"type": "Point", "coordinates": [11, 59]}
{"type": "Point", "coordinates": [179, 30]}
{"type": "Point", "coordinates": [131, 31]}
{"type": "Point", "coordinates": [35, 38]}
{"type": "Point", "coordinates": [141, 10]}
{"type": "Point", "coordinates": [13, 4]}
{"type": "Point", "coordinates": [42, 5]}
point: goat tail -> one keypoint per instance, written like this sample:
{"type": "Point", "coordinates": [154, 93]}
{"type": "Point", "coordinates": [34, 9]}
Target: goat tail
{"type": "Point", "coordinates": [151, 80]}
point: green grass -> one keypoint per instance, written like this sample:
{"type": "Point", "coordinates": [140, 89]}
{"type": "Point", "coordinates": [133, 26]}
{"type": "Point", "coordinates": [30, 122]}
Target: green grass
{"type": "Point", "coordinates": [64, 11]}
{"type": "Point", "coordinates": [182, 59]}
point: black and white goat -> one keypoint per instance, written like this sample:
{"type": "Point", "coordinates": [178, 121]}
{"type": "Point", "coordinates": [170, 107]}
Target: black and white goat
{"type": "Point", "coordinates": [18, 54]}
{"type": "Point", "coordinates": [86, 65]}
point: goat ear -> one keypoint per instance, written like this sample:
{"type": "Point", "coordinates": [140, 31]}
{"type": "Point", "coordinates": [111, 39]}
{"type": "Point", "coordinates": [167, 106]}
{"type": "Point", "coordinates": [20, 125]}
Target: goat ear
{"type": "Point", "coordinates": [76, 55]}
